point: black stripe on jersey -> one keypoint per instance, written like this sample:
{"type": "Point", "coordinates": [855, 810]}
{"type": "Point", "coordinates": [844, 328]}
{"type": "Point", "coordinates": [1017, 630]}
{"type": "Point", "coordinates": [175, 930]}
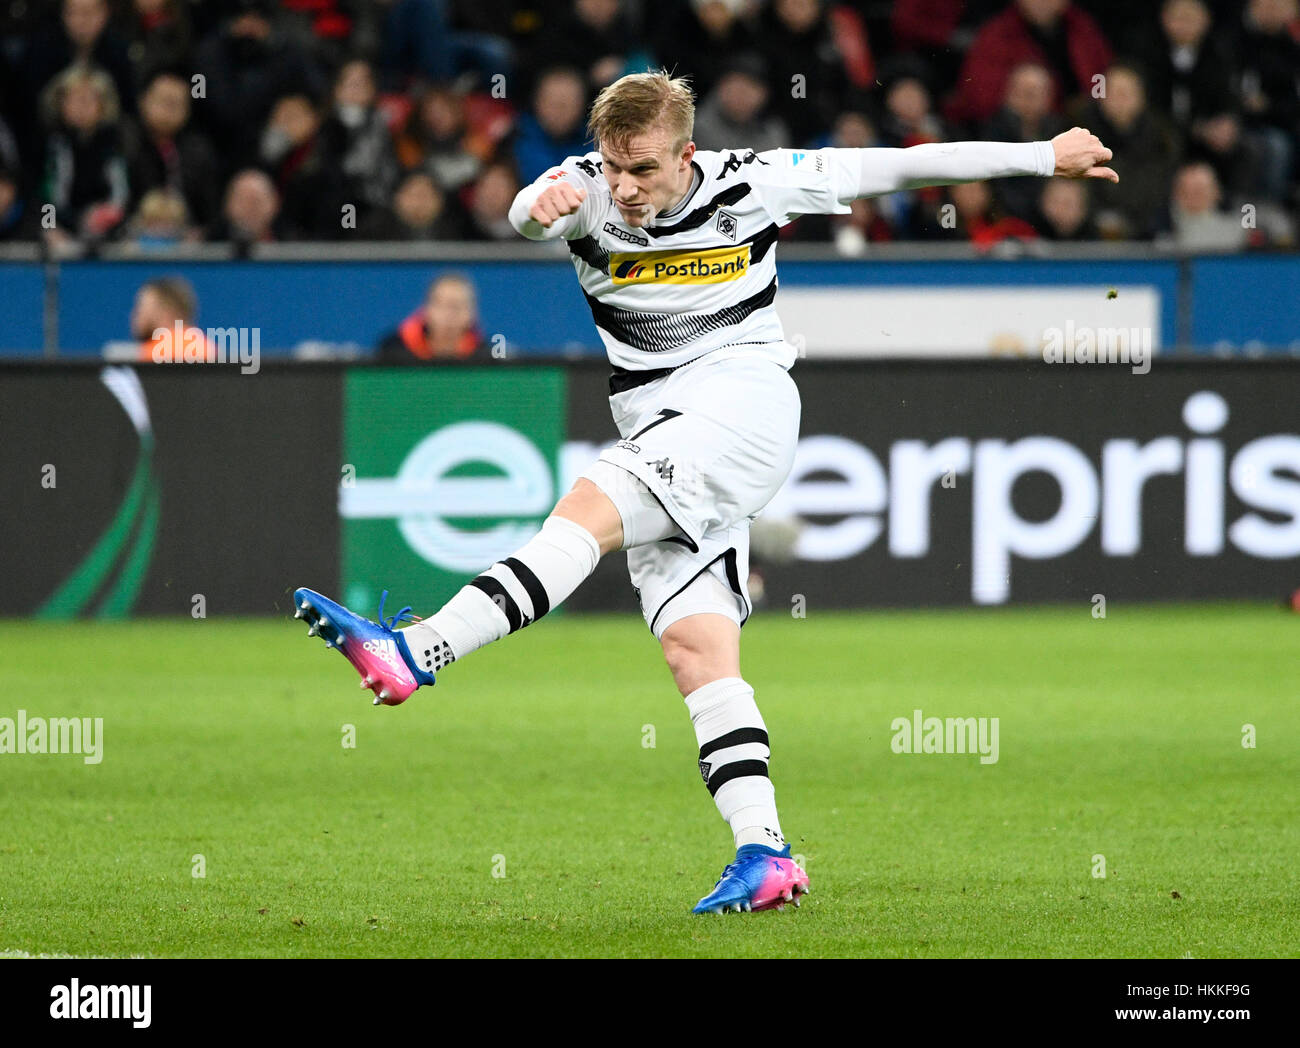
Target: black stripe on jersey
{"type": "Point", "coordinates": [719, 777]}
{"type": "Point", "coordinates": [532, 586]}
{"type": "Point", "coordinates": [589, 250]}
{"type": "Point", "coordinates": [661, 332]}
{"type": "Point", "coordinates": [761, 243]}
{"type": "Point", "coordinates": [734, 738]}
{"type": "Point", "coordinates": [498, 595]}
{"type": "Point", "coordinates": [698, 216]}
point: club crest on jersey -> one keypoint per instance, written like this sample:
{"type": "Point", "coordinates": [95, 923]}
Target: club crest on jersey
{"type": "Point", "coordinates": [727, 225]}
{"type": "Point", "coordinates": [716, 265]}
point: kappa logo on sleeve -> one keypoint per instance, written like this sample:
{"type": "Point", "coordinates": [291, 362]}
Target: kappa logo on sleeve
{"type": "Point", "coordinates": [712, 266]}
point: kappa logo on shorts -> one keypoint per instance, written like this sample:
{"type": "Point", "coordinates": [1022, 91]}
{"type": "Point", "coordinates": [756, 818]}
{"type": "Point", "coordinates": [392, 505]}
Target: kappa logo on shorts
{"type": "Point", "coordinates": [663, 467]}
{"type": "Point", "coordinates": [705, 768]}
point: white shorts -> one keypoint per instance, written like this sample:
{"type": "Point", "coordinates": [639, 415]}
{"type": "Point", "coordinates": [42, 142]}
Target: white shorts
{"type": "Point", "coordinates": [713, 441]}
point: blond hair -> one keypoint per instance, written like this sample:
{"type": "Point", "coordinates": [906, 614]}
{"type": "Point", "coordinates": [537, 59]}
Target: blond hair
{"type": "Point", "coordinates": [640, 102]}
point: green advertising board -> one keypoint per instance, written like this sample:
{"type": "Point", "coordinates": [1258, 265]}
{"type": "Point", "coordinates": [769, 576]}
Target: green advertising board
{"type": "Point", "coordinates": [445, 471]}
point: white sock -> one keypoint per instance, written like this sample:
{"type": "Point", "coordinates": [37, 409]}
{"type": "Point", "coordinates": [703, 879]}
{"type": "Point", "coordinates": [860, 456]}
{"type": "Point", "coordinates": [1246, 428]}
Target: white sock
{"type": "Point", "coordinates": [733, 759]}
{"type": "Point", "coordinates": [510, 595]}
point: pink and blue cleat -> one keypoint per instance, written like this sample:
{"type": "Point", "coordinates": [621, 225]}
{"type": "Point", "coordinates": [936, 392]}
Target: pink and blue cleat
{"type": "Point", "coordinates": [377, 649]}
{"type": "Point", "coordinates": [760, 878]}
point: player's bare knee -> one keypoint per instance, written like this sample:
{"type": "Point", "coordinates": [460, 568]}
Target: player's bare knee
{"type": "Point", "coordinates": [694, 661]}
{"type": "Point", "coordinates": [587, 505]}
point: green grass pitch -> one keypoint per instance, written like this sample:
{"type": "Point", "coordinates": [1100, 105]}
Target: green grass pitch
{"type": "Point", "coordinates": [516, 809]}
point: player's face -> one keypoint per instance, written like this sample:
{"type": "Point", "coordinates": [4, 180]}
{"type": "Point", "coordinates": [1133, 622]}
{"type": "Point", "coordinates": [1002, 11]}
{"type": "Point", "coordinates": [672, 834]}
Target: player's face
{"type": "Point", "coordinates": [647, 176]}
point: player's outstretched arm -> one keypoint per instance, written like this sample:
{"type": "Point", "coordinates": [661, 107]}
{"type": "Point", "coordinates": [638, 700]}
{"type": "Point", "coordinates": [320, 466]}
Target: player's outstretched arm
{"type": "Point", "coordinates": [1076, 153]}
{"type": "Point", "coordinates": [545, 211]}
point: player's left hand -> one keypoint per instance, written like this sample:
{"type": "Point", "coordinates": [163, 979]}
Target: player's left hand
{"type": "Point", "coordinates": [1078, 152]}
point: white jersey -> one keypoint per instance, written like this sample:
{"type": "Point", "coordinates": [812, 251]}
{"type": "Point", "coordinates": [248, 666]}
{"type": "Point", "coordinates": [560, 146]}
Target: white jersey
{"type": "Point", "coordinates": [703, 277]}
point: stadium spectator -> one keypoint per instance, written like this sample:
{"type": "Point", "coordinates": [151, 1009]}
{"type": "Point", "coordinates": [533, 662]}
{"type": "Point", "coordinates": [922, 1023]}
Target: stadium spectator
{"type": "Point", "coordinates": [309, 183]}
{"type": "Point", "coordinates": [490, 205]}
{"type": "Point", "coordinates": [163, 150]}
{"type": "Point", "coordinates": [85, 173]}
{"type": "Point", "coordinates": [161, 37]}
{"type": "Point", "coordinates": [1132, 208]}
{"type": "Point", "coordinates": [161, 221]}
{"type": "Point", "coordinates": [1064, 211]}
{"type": "Point", "coordinates": [251, 211]}
{"type": "Point", "coordinates": [806, 55]}
{"type": "Point", "coordinates": [437, 139]}
{"type": "Point", "coordinates": [1189, 71]}
{"type": "Point", "coordinates": [1054, 33]}
{"type": "Point", "coordinates": [1219, 141]}
{"type": "Point", "coordinates": [420, 211]}
{"type": "Point", "coordinates": [19, 221]}
{"type": "Point", "coordinates": [697, 35]}
{"type": "Point", "coordinates": [736, 113]}
{"type": "Point", "coordinates": [1026, 116]}
{"type": "Point", "coordinates": [975, 216]}
{"type": "Point", "coordinates": [1269, 51]}
{"type": "Point", "coordinates": [420, 44]}
{"type": "Point", "coordinates": [444, 329]}
{"type": "Point", "coordinates": [597, 37]}
{"type": "Point", "coordinates": [162, 323]}
{"type": "Point", "coordinates": [909, 119]}
{"type": "Point", "coordinates": [247, 67]}
{"type": "Point", "coordinates": [356, 142]}
{"type": "Point", "coordinates": [555, 128]}
{"type": "Point", "coordinates": [1196, 220]}
{"type": "Point", "coordinates": [81, 36]}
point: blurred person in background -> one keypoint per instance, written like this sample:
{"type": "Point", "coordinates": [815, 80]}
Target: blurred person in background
{"type": "Point", "coordinates": [737, 109]}
{"type": "Point", "coordinates": [250, 213]}
{"type": "Point", "coordinates": [1056, 34]}
{"type": "Point", "coordinates": [597, 37]}
{"type": "Point", "coordinates": [697, 35]}
{"type": "Point", "coordinates": [436, 138]}
{"type": "Point", "coordinates": [81, 36]}
{"type": "Point", "coordinates": [1132, 209]}
{"type": "Point", "coordinates": [248, 66]}
{"type": "Point", "coordinates": [1195, 218]}
{"type": "Point", "coordinates": [162, 326]}
{"type": "Point", "coordinates": [803, 48]}
{"type": "Point", "coordinates": [161, 222]}
{"type": "Point", "coordinates": [1026, 116]}
{"type": "Point", "coordinates": [309, 183]}
{"type": "Point", "coordinates": [1189, 70]}
{"type": "Point", "coordinates": [421, 44]}
{"type": "Point", "coordinates": [85, 172]}
{"type": "Point", "coordinates": [163, 150]}
{"type": "Point", "coordinates": [978, 219]}
{"type": "Point", "coordinates": [420, 210]}
{"type": "Point", "coordinates": [19, 221]}
{"type": "Point", "coordinates": [356, 142]}
{"type": "Point", "coordinates": [444, 329]}
{"type": "Point", "coordinates": [909, 119]}
{"type": "Point", "coordinates": [1268, 46]}
{"type": "Point", "coordinates": [554, 128]}
{"type": "Point", "coordinates": [161, 37]}
{"type": "Point", "coordinates": [489, 209]}
{"type": "Point", "coordinates": [1064, 211]}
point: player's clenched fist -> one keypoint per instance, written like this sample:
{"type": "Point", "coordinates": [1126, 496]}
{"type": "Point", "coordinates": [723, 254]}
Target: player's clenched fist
{"type": "Point", "coordinates": [1078, 154]}
{"type": "Point", "coordinates": [556, 201]}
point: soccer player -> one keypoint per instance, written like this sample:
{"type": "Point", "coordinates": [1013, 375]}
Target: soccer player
{"type": "Point", "coordinates": [675, 250]}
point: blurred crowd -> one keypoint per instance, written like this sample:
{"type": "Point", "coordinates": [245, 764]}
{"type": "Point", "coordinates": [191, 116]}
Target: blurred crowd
{"type": "Point", "coordinates": [156, 123]}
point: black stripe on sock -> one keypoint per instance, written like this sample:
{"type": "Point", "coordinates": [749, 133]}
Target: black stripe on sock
{"type": "Point", "coordinates": [501, 598]}
{"type": "Point", "coordinates": [734, 738]}
{"type": "Point", "coordinates": [532, 586]}
{"type": "Point", "coordinates": [736, 770]}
